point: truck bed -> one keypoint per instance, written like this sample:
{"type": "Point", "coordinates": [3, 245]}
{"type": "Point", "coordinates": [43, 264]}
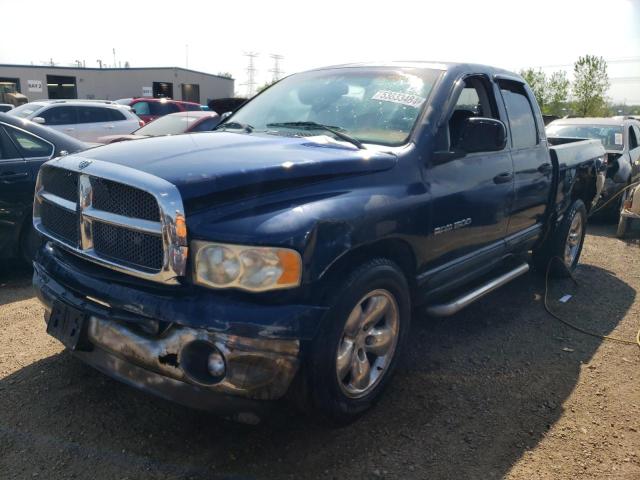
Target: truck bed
{"type": "Point", "coordinates": [569, 151]}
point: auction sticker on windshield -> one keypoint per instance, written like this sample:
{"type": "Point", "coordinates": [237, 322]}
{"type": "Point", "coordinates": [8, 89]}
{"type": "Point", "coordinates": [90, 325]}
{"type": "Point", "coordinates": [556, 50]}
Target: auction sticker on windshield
{"type": "Point", "coordinates": [397, 97]}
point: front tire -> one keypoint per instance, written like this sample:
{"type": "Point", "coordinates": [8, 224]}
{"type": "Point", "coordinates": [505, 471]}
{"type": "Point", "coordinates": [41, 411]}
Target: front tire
{"type": "Point", "coordinates": [564, 244]}
{"type": "Point", "coordinates": [354, 355]}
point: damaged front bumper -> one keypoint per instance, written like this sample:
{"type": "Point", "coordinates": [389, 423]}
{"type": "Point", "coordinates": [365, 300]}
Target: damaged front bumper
{"type": "Point", "coordinates": [170, 359]}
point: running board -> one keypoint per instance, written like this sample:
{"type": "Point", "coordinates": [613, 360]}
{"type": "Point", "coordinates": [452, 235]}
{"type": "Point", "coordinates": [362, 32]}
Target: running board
{"type": "Point", "coordinates": [447, 309]}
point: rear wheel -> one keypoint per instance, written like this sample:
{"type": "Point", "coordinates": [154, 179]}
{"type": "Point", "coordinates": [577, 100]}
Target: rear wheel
{"type": "Point", "coordinates": [354, 356]}
{"type": "Point", "coordinates": [564, 244]}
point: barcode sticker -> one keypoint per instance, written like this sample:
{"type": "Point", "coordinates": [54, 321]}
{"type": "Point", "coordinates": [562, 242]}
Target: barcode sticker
{"type": "Point", "coordinates": [397, 97]}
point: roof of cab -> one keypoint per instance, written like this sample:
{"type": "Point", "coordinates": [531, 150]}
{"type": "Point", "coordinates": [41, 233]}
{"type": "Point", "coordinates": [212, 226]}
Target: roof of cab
{"type": "Point", "coordinates": [444, 66]}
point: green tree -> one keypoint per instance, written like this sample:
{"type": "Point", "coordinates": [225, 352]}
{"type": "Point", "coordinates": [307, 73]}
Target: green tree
{"type": "Point", "coordinates": [538, 83]}
{"type": "Point", "coordinates": [557, 93]}
{"type": "Point", "coordinates": [225, 74]}
{"type": "Point", "coordinates": [590, 85]}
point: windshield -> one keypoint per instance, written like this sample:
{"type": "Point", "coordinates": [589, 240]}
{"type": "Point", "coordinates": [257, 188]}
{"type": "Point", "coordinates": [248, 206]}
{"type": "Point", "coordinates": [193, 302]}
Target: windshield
{"type": "Point", "coordinates": [168, 125]}
{"type": "Point", "coordinates": [609, 135]}
{"type": "Point", "coordinates": [26, 110]}
{"type": "Point", "coordinates": [370, 105]}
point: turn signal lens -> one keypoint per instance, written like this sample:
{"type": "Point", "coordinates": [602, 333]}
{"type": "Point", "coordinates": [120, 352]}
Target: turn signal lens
{"type": "Point", "coordinates": [256, 269]}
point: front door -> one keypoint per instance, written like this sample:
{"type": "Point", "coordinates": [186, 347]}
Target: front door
{"type": "Point", "coordinates": [472, 195]}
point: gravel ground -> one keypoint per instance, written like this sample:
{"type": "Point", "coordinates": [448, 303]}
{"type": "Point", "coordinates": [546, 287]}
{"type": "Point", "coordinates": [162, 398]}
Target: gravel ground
{"type": "Point", "coordinates": [501, 390]}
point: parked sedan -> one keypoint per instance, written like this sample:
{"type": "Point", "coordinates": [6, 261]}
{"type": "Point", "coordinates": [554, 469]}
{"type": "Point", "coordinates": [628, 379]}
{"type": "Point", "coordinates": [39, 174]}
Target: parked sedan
{"type": "Point", "coordinates": [24, 146]}
{"type": "Point", "coordinates": [173, 124]}
{"type": "Point", "coordinates": [621, 139]}
{"type": "Point", "coordinates": [148, 109]}
{"type": "Point", "coordinates": [86, 120]}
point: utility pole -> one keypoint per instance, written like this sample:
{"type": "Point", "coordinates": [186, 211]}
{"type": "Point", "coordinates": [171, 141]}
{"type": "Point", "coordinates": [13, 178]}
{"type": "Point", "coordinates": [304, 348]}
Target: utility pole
{"type": "Point", "coordinates": [115, 65]}
{"type": "Point", "coordinates": [251, 73]}
{"type": "Point", "coordinates": [277, 72]}
{"type": "Point", "coordinates": [99, 62]}
{"type": "Point", "coordinates": [186, 56]}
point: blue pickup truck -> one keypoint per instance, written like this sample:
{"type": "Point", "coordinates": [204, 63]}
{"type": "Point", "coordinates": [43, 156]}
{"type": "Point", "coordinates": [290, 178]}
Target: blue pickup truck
{"type": "Point", "coordinates": [281, 255]}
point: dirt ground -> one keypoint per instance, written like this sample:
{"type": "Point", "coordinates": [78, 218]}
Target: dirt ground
{"type": "Point", "coordinates": [501, 390]}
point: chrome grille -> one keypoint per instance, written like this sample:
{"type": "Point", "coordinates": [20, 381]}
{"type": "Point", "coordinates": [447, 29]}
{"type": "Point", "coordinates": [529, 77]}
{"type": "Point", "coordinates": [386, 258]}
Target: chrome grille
{"type": "Point", "coordinates": [113, 215]}
{"type": "Point", "coordinates": [134, 248]}
{"type": "Point", "coordinates": [61, 222]}
{"type": "Point", "coordinates": [124, 200]}
{"type": "Point", "coordinates": [61, 183]}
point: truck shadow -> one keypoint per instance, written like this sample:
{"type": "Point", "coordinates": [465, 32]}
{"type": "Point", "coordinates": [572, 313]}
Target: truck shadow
{"type": "Point", "coordinates": [472, 395]}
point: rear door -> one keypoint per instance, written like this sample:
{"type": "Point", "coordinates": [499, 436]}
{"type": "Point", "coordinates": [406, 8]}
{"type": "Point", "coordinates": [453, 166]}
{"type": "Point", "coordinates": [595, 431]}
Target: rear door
{"type": "Point", "coordinates": [530, 154]}
{"type": "Point", "coordinates": [93, 123]}
{"type": "Point", "coordinates": [63, 118]}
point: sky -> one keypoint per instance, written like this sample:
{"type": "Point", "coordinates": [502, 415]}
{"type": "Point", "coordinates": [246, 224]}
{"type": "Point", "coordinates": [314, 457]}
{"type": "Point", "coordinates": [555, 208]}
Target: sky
{"type": "Point", "coordinates": [213, 36]}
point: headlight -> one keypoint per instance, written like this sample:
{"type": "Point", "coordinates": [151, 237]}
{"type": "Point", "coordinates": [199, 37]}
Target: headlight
{"type": "Point", "coordinates": [249, 268]}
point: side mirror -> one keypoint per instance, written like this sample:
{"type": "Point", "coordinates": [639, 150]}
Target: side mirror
{"type": "Point", "coordinates": [39, 120]}
{"type": "Point", "coordinates": [479, 134]}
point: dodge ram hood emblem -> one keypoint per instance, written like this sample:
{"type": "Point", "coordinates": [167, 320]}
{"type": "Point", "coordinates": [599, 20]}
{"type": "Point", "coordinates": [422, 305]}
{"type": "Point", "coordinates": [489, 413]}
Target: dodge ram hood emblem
{"type": "Point", "coordinates": [84, 164]}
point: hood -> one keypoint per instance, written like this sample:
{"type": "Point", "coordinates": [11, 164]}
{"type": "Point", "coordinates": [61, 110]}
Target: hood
{"type": "Point", "coordinates": [212, 162]}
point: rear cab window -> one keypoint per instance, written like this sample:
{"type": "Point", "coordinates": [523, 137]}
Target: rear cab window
{"type": "Point", "coordinates": [522, 120]}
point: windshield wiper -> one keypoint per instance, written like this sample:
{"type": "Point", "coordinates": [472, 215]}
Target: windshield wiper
{"type": "Point", "coordinates": [319, 126]}
{"type": "Point", "coordinates": [242, 126]}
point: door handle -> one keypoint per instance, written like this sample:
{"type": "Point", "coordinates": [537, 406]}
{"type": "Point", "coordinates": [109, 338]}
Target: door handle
{"type": "Point", "coordinates": [545, 168]}
{"type": "Point", "coordinates": [504, 177]}
{"type": "Point", "coordinates": [110, 127]}
{"type": "Point", "coordinates": [69, 129]}
{"type": "Point", "coordinates": [12, 177]}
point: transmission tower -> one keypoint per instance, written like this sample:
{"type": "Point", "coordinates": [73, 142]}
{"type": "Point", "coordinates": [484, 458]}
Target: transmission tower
{"type": "Point", "coordinates": [251, 73]}
{"type": "Point", "coordinates": [277, 72]}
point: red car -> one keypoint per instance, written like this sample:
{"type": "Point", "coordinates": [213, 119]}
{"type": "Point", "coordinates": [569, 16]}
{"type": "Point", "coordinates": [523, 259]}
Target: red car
{"type": "Point", "coordinates": [148, 109]}
{"type": "Point", "coordinates": [172, 124]}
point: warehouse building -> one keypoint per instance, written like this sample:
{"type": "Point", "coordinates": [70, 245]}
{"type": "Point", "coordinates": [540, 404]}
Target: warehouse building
{"type": "Point", "coordinates": [43, 82]}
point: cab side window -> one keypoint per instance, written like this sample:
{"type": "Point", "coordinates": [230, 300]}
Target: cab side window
{"type": "Point", "coordinates": [524, 132]}
{"type": "Point", "coordinates": [475, 100]}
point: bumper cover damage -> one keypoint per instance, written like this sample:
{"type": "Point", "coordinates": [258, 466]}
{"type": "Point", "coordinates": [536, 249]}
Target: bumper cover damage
{"type": "Point", "coordinates": [260, 361]}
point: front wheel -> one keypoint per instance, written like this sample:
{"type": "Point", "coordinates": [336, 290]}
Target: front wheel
{"type": "Point", "coordinates": [364, 332]}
